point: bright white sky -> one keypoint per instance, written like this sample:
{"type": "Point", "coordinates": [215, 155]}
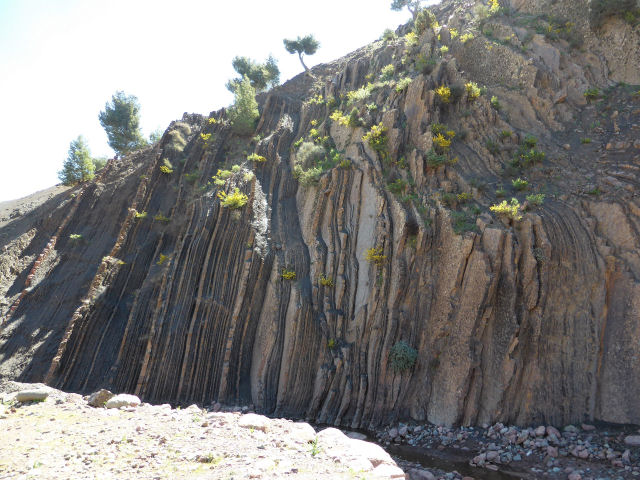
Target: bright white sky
{"type": "Point", "coordinates": [61, 60]}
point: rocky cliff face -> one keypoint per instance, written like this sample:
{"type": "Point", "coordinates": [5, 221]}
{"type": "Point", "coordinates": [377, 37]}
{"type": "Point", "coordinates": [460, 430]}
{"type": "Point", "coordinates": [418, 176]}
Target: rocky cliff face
{"type": "Point", "coordinates": [170, 295]}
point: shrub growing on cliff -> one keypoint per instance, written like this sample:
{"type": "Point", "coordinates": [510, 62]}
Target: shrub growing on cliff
{"type": "Point", "coordinates": [510, 210]}
{"type": "Point", "coordinates": [377, 139]}
{"type": "Point", "coordinates": [233, 200]}
{"type": "Point", "coordinates": [78, 167]}
{"type": "Point", "coordinates": [244, 112]}
{"type": "Point", "coordinates": [423, 20]}
{"type": "Point", "coordinates": [375, 255]}
{"type": "Point", "coordinates": [402, 357]}
{"type": "Point", "coordinates": [121, 121]}
{"type": "Point", "coordinates": [288, 274]}
{"type": "Point", "coordinates": [444, 93]}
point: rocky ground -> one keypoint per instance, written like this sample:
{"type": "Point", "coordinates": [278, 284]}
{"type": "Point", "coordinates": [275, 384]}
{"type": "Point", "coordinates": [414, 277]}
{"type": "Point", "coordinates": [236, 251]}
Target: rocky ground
{"type": "Point", "coordinates": [55, 435]}
{"type": "Point", "coordinates": [575, 453]}
{"type": "Point", "coordinates": [51, 434]}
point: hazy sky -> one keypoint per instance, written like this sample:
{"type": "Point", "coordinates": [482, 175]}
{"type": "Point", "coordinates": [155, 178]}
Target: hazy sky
{"type": "Point", "coordinates": [61, 60]}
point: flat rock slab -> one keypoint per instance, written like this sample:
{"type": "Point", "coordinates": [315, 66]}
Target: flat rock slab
{"type": "Point", "coordinates": [35, 395]}
{"type": "Point", "coordinates": [122, 400]}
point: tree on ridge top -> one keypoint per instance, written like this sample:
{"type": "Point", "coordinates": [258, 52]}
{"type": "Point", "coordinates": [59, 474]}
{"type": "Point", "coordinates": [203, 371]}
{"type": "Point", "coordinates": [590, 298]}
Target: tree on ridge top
{"type": "Point", "coordinates": [121, 121]}
{"type": "Point", "coordinates": [412, 5]}
{"type": "Point", "coordinates": [306, 45]}
{"type": "Point", "coordinates": [261, 75]}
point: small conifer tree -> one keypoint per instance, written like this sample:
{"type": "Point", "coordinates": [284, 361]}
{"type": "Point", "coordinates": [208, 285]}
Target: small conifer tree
{"type": "Point", "coordinates": [244, 112]}
{"type": "Point", "coordinates": [78, 167]}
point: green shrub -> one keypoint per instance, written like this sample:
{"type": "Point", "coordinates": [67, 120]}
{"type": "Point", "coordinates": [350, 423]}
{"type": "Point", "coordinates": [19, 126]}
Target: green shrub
{"type": "Point", "coordinates": [592, 94]}
{"type": "Point", "coordinates": [465, 37]}
{"type": "Point", "coordinates": [530, 157]}
{"type": "Point", "coordinates": [389, 35]}
{"type": "Point", "coordinates": [354, 119]}
{"type": "Point", "coordinates": [141, 215]}
{"type": "Point", "coordinates": [176, 142]}
{"type": "Point", "coordinates": [326, 281]}
{"type": "Point", "coordinates": [434, 160]}
{"type": "Point", "coordinates": [585, 140]}
{"type": "Point", "coordinates": [519, 183]}
{"type": "Point", "coordinates": [444, 50]}
{"type": "Point", "coordinates": [398, 186]}
{"type": "Point", "coordinates": [424, 19]}
{"type": "Point", "coordinates": [536, 199]}
{"type": "Point", "coordinates": [339, 117]}
{"type": "Point", "coordinates": [424, 64]}
{"type": "Point", "coordinates": [288, 274]}
{"type": "Point", "coordinates": [530, 141]}
{"type": "Point", "coordinates": [473, 91]}
{"type": "Point", "coordinates": [254, 157]}
{"type": "Point", "coordinates": [309, 154]}
{"type": "Point", "coordinates": [307, 177]}
{"type": "Point", "coordinates": [444, 93]}
{"type": "Point", "coordinates": [495, 103]}
{"type": "Point", "coordinates": [244, 112]}
{"type": "Point", "coordinates": [504, 134]}
{"type": "Point", "coordinates": [233, 200]}
{"type": "Point", "coordinates": [163, 258]}
{"type": "Point", "coordinates": [402, 357]}
{"type": "Point", "coordinates": [166, 167]}
{"type": "Point", "coordinates": [331, 344]}
{"type": "Point", "coordinates": [375, 255]}
{"type": "Point", "coordinates": [377, 139]}
{"type": "Point", "coordinates": [387, 72]}
{"type": "Point", "coordinates": [75, 237]}
{"type": "Point", "coordinates": [403, 84]}
{"type": "Point", "coordinates": [462, 222]}
{"type": "Point", "coordinates": [161, 218]}
{"type": "Point", "coordinates": [510, 210]}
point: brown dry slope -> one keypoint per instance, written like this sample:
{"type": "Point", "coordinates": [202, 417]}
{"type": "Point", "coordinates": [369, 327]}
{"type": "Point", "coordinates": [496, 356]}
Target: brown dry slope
{"type": "Point", "coordinates": [169, 295]}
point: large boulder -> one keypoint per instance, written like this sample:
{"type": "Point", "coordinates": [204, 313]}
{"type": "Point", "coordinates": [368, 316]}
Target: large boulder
{"type": "Point", "coordinates": [100, 398]}
{"type": "Point", "coordinates": [32, 395]}
{"type": "Point", "coordinates": [123, 400]}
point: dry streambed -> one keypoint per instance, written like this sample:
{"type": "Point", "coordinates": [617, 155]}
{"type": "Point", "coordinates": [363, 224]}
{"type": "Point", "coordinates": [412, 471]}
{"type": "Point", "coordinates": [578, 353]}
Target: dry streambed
{"type": "Point", "coordinates": [57, 435]}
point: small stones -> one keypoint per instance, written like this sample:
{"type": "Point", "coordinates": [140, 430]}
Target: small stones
{"type": "Point", "coordinates": [122, 400]}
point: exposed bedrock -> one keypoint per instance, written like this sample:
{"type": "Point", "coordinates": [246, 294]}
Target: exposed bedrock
{"type": "Point", "coordinates": [170, 296]}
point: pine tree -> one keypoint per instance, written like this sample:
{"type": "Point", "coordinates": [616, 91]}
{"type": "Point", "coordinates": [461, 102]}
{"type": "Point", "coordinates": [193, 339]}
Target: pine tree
{"type": "Point", "coordinates": [412, 5]}
{"type": "Point", "coordinates": [121, 121]}
{"type": "Point", "coordinates": [244, 112]}
{"type": "Point", "coordinates": [261, 75]}
{"type": "Point", "coordinates": [78, 167]}
{"type": "Point", "coordinates": [307, 45]}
